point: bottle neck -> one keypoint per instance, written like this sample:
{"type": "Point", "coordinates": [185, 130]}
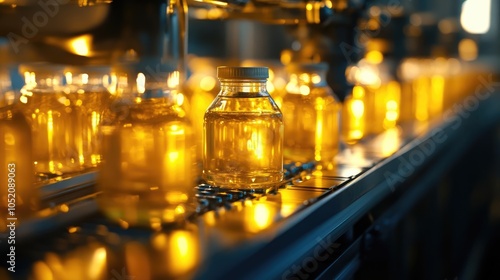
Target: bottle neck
{"type": "Point", "coordinates": [43, 80]}
{"type": "Point", "coordinates": [302, 83]}
{"type": "Point", "coordinates": [233, 87]}
{"type": "Point", "coordinates": [142, 86]}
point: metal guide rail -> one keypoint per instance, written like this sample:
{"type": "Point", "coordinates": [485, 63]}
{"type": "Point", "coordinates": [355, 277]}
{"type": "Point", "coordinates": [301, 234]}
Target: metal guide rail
{"type": "Point", "coordinates": [311, 225]}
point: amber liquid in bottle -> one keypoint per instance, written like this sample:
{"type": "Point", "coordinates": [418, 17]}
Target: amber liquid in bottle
{"type": "Point", "coordinates": [51, 117]}
{"type": "Point", "coordinates": [147, 172]}
{"type": "Point", "coordinates": [311, 126]}
{"type": "Point", "coordinates": [17, 193]}
{"type": "Point", "coordinates": [354, 116]}
{"type": "Point", "coordinates": [86, 115]}
{"type": "Point", "coordinates": [243, 142]}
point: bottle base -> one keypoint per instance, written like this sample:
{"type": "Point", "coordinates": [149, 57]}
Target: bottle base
{"type": "Point", "coordinates": [138, 210]}
{"type": "Point", "coordinates": [261, 183]}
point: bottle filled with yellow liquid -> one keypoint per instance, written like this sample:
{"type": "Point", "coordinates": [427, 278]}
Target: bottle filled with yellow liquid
{"type": "Point", "coordinates": [243, 132]}
{"type": "Point", "coordinates": [147, 173]}
{"type": "Point", "coordinates": [51, 114]}
{"type": "Point", "coordinates": [311, 114]}
{"type": "Point", "coordinates": [17, 192]}
{"type": "Point", "coordinates": [88, 92]}
{"type": "Point", "coordinates": [353, 127]}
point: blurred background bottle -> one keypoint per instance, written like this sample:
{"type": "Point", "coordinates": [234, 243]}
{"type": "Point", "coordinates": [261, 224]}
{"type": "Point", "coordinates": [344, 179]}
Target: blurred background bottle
{"type": "Point", "coordinates": [88, 92]}
{"type": "Point", "coordinates": [16, 163]}
{"type": "Point", "coordinates": [311, 114]}
{"type": "Point", "coordinates": [147, 176]}
{"type": "Point", "coordinates": [243, 132]}
{"type": "Point", "coordinates": [353, 127]}
{"type": "Point", "coordinates": [50, 112]}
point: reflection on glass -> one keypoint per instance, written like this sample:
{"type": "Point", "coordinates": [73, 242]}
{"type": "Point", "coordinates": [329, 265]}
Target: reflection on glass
{"type": "Point", "coordinates": [259, 215]}
{"type": "Point", "coordinates": [16, 164]}
{"type": "Point", "coordinates": [178, 251]}
{"type": "Point", "coordinates": [88, 92]}
{"type": "Point", "coordinates": [389, 142]}
{"type": "Point", "coordinates": [51, 113]}
{"type": "Point", "coordinates": [354, 116]}
{"type": "Point", "coordinates": [380, 97]}
{"type": "Point", "coordinates": [83, 263]}
{"type": "Point", "coordinates": [311, 113]}
{"type": "Point", "coordinates": [148, 175]}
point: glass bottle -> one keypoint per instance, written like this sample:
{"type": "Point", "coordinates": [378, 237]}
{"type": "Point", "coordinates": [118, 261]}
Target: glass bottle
{"type": "Point", "coordinates": [17, 192]}
{"type": "Point", "coordinates": [311, 113]}
{"type": "Point", "coordinates": [353, 127]}
{"type": "Point", "coordinates": [147, 175]}
{"type": "Point", "coordinates": [243, 132]}
{"type": "Point", "coordinates": [88, 92]}
{"type": "Point", "coordinates": [50, 112]}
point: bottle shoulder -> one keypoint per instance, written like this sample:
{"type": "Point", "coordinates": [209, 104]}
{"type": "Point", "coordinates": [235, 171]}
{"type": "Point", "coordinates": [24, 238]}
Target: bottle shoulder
{"type": "Point", "coordinates": [242, 104]}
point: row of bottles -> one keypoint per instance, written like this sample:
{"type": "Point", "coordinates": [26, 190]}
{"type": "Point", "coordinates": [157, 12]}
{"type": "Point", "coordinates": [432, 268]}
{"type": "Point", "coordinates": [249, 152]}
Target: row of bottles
{"type": "Point", "coordinates": [147, 175]}
{"type": "Point", "coordinates": [129, 123]}
{"type": "Point", "coordinates": [16, 167]}
{"type": "Point", "coordinates": [64, 117]}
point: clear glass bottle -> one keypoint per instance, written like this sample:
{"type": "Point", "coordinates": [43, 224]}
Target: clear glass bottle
{"type": "Point", "coordinates": [88, 92]}
{"type": "Point", "coordinates": [243, 132]}
{"type": "Point", "coordinates": [51, 114]}
{"type": "Point", "coordinates": [147, 175]}
{"type": "Point", "coordinates": [311, 113]}
{"type": "Point", "coordinates": [16, 164]}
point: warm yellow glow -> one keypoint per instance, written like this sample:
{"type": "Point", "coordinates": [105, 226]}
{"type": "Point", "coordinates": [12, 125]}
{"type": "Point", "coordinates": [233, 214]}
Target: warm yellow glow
{"type": "Point", "coordinates": [286, 56]}
{"type": "Point", "coordinates": [69, 77]}
{"type": "Point", "coordinates": [421, 98]}
{"type": "Point", "coordinates": [208, 83]}
{"type": "Point", "coordinates": [270, 87]}
{"type": "Point", "coordinates": [85, 78]}
{"type": "Point", "coordinates": [182, 246]}
{"type": "Point", "coordinates": [262, 216]}
{"type": "Point", "coordinates": [41, 271]}
{"type": "Point", "coordinates": [353, 115]}
{"type": "Point", "coordinates": [305, 77]}
{"type": "Point", "coordinates": [374, 57]}
{"type": "Point", "coordinates": [410, 69]}
{"type": "Point", "coordinates": [97, 264]}
{"type": "Point", "coordinates": [367, 75]}
{"type": "Point", "coordinates": [81, 45]}
{"type": "Point", "coordinates": [476, 16]}
{"type": "Point", "coordinates": [390, 141]}
{"type": "Point", "coordinates": [73, 229]}
{"type": "Point", "coordinates": [357, 104]}
{"type": "Point", "coordinates": [173, 79]}
{"type": "Point", "coordinates": [304, 90]}
{"type": "Point", "coordinates": [393, 95]}
{"type": "Point", "coordinates": [437, 95]}
{"type": "Point", "coordinates": [29, 79]}
{"type": "Point", "coordinates": [467, 49]}
{"type": "Point", "coordinates": [318, 137]}
{"type": "Point", "coordinates": [174, 198]}
{"type": "Point", "coordinates": [315, 78]}
{"type": "Point", "coordinates": [180, 99]}
{"type": "Point", "coordinates": [214, 2]}
{"type": "Point", "coordinates": [112, 84]}
{"type": "Point", "coordinates": [141, 83]}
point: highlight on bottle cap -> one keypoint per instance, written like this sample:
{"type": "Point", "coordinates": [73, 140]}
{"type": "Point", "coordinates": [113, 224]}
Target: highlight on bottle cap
{"type": "Point", "coordinates": [229, 72]}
